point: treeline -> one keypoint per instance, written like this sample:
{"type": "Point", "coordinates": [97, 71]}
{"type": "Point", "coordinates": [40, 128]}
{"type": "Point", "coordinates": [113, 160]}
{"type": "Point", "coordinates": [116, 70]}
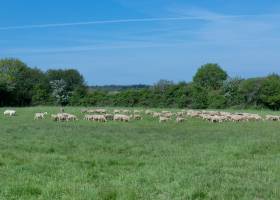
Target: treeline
{"type": "Point", "coordinates": [211, 87]}
{"type": "Point", "coordinates": [21, 85]}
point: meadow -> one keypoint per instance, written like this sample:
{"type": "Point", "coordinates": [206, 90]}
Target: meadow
{"type": "Point", "coordinates": [137, 160]}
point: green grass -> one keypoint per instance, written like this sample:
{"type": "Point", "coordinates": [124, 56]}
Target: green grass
{"type": "Point", "coordinates": [137, 160]}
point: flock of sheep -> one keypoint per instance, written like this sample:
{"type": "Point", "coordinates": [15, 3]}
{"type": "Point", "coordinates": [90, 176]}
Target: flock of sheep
{"type": "Point", "coordinates": [123, 115]}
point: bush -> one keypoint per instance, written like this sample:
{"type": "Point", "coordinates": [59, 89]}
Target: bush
{"type": "Point", "coordinates": [199, 97]}
{"type": "Point", "coordinates": [216, 100]}
{"type": "Point", "coordinates": [270, 92]}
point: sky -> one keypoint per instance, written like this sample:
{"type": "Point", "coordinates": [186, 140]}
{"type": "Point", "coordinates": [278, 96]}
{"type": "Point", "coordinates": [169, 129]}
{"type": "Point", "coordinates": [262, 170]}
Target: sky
{"type": "Point", "coordinates": [140, 42]}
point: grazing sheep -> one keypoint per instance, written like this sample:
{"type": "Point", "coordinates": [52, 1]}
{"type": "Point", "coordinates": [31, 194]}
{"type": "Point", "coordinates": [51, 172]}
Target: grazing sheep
{"type": "Point", "coordinates": [180, 114]}
{"type": "Point", "coordinates": [38, 116]}
{"type": "Point", "coordinates": [91, 111]}
{"type": "Point", "coordinates": [137, 112]}
{"type": "Point", "coordinates": [9, 113]}
{"type": "Point", "coordinates": [137, 117]}
{"type": "Point", "coordinates": [61, 117]}
{"type": "Point", "coordinates": [100, 118]}
{"type": "Point", "coordinates": [109, 116]}
{"type": "Point", "coordinates": [215, 116]}
{"type": "Point", "coordinates": [156, 114]}
{"type": "Point", "coordinates": [192, 113]}
{"type": "Point", "coordinates": [180, 119]}
{"type": "Point", "coordinates": [84, 110]}
{"type": "Point", "coordinates": [100, 111]}
{"type": "Point", "coordinates": [64, 117]}
{"type": "Point", "coordinates": [272, 118]}
{"type": "Point", "coordinates": [148, 112]}
{"type": "Point", "coordinates": [163, 119]}
{"type": "Point", "coordinates": [117, 111]}
{"type": "Point", "coordinates": [216, 119]}
{"type": "Point", "coordinates": [54, 117]}
{"type": "Point", "coordinates": [125, 111]}
{"type": "Point", "coordinates": [167, 114]}
{"type": "Point", "coordinates": [88, 117]}
{"type": "Point", "coordinates": [237, 118]}
{"type": "Point", "coordinates": [71, 117]}
{"type": "Point", "coordinates": [97, 118]}
{"type": "Point", "coordinates": [122, 118]}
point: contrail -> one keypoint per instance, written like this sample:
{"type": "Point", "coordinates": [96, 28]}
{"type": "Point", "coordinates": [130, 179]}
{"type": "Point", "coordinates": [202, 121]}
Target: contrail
{"type": "Point", "coordinates": [101, 22]}
{"type": "Point", "coordinates": [119, 21]}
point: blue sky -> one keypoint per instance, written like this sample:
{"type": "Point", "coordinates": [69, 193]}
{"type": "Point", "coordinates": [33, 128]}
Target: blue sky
{"type": "Point", "coordinates": [133, 41]}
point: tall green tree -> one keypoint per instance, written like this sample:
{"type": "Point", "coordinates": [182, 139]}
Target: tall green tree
{"type": "Point", "coordinates": [74, 87]}
{"type": "Point", "coordinates": [72, 77]}
{"type": "Point", "coordinates": [17, 82]}
{"type": "Point", "coordinates": [250, 90]}
{"type": "Point", "coordinates": [210, 76]}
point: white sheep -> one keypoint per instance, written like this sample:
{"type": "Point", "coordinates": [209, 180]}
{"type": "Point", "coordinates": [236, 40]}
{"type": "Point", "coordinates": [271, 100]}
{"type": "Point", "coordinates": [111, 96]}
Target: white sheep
{"type": "Point", "coordinates": [9, 113]}
{"type": "Point", "coordinates": [40, 115]}
{"type": "Point", "coordinates": [272, 117]}
{"type": "Point", "coordinates": [122, 118]}
{"type": "Point", "coordinates": [163, 119]}
{"type": "Point", "coordinates": [180, 119]}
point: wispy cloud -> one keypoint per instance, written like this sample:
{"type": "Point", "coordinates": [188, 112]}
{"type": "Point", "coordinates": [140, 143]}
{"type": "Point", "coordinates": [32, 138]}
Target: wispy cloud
{"type": "Point", "coordinates": [129, 45]}
{"type": "Point", "coordinates": [118, 21]}
{"type": "Point", "coordinates": [215, 29]}
{"type": "Point", "coordinates": [190, 16]}
{"type": "Point", "coordinates": [225, 29]}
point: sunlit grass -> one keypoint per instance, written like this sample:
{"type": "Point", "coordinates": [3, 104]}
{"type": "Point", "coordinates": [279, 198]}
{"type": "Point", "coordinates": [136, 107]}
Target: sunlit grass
{"type": "Point", "coordinates": [137, 160]}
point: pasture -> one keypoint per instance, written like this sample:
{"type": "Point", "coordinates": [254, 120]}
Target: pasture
{"type": "Point", "coordinates": [196, 159]}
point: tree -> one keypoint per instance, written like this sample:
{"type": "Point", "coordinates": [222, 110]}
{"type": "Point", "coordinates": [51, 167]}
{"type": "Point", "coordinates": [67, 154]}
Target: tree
{"type": "Point", "coordinates": [162, 85]}
{"type": "Point", "coordinates": [59, 92]}
{"type": "Point", "coordinates": [270, 92]}
{"type": "Point", "coordinates": [78, 95]}
{"type": "Point", "coordinates": [72, 78]}
{"type": "Point", "coordinates": [210, 76]}
{"type": "Point", "coordinates": [74, 88]}
{"type": "Point", "coordinates": [231, 90]}
{"type": "Point", "coordinates": [17, 81]}
{"type": "Point", "coordinates": [41, 95]}
{"type": "Point", "coordinates": [250, 90]}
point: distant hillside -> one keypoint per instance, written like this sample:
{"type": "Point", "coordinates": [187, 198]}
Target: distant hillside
{"type": "Point", "coordinates": [115, 88]}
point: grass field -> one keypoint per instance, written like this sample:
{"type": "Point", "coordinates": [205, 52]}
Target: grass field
{"type": "Point", "coordinates": [137, 160]}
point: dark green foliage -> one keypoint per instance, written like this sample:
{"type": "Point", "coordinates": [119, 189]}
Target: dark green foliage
{"type": "Point", "coordinates": [78, 94]}
{"type": "Point", "coordinates": [216, 100]}
{"type": "Point", "coordinates": [72, 78]}
{"type": "Point", "coordinates": [110, 88]}
{"type": "Point", "coordinates": [250, 91]}
{"type": "Point", "coordinates": [270, 92]}
{"type": "Point", "coordinates": [21, 85]}
{"type": "Point", "coordinates": [210, 76]}
{"type": "Point", "coordinates": [199, 96]}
